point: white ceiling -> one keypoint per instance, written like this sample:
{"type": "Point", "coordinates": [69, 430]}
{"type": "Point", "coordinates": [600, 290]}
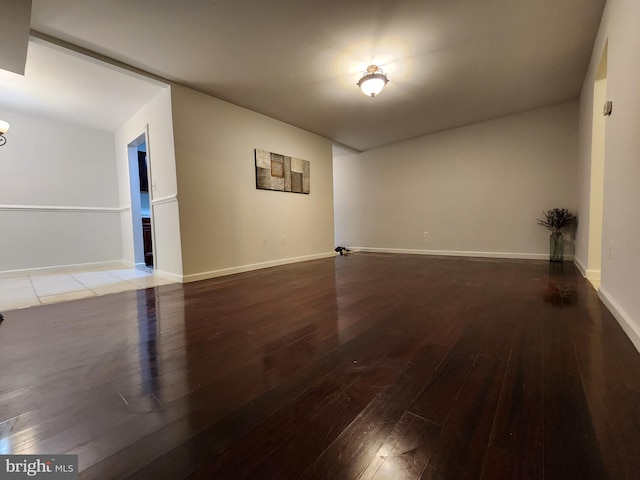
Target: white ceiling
{"type": "Point", "coordinates": [450, 62]}
{"type": "Point", "coordinates": [64, 85]}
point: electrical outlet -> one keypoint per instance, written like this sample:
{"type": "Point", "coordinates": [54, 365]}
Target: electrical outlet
{"type": "Point", "coordinates": [610, 252]}
{"type": "Point", "coordinates": [425, 234]}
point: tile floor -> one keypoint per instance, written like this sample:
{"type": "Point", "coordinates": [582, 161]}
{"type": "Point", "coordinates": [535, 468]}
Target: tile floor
{"type": "Point", "coordinates": [30, 290]}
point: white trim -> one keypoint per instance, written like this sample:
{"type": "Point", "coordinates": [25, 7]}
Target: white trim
{"type": "Point", "coordinates": [167, 199]}
{"type": "Point", "coordinates": [62, 268]}
{"type": "Point", "coordinates": [459, 253]}
{"type": "Point", "coordinates": [194, 277]}
{"type": "Point", "coordinates": [580, 266]}
{"type": "Point", "coordinates": [628, 325]}
{"type": "Point", "coordinates": [169, 276]}
{"type": "Point", "coordinates": [59, 208]}
{"type": "Point", "coordinates": [592, 275]}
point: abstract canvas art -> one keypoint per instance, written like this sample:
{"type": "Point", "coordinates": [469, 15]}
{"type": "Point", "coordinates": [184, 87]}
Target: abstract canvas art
{"type": "Point", "coordinates": [282, 173]}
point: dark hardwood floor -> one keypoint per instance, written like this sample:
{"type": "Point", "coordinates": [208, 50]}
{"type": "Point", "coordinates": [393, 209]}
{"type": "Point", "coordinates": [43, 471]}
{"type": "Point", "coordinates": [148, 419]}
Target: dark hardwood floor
{"type": "Point", "coordinates": [366, 366]}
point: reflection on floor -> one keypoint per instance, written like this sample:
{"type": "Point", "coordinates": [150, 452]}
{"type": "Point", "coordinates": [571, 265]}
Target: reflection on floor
{"type": "Point", "coordinates": [30, 290]}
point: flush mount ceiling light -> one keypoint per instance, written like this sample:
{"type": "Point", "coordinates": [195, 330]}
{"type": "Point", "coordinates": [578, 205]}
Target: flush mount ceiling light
{"type": "Point", "coordinates": [4, 127]}
{"type": "Point", "coordinates": [373, 81]}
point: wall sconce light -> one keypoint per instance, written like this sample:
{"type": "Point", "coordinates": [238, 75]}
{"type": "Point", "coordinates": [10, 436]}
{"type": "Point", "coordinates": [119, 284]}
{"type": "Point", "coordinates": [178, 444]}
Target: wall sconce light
{"type": "Point", "coordinates": [4, 128]}
{"type": "Point", "coordinates": [373, 81]}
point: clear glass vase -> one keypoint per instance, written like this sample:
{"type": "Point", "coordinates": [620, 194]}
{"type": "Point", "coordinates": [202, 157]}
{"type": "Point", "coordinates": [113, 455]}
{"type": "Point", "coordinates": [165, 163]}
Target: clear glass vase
{"type": "Point", "coordinates": [556, 247]}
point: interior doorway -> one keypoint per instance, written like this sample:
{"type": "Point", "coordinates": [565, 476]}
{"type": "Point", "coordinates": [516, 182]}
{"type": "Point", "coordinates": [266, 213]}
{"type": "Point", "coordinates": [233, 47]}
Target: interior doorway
{"type": "Point", "coordinates": [596, 190]}
{"type": "Point", "coordinates": [141, 211]}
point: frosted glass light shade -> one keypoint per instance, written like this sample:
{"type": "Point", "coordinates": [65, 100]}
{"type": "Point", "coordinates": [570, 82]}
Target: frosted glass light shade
{"type": "Point", "coordinates": [373, 81]}
{"type": "Point", "coordinates": [4, 127]}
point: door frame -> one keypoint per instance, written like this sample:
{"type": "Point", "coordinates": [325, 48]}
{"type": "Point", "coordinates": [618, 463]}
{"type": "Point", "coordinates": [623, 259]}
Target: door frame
{"type": "Point", "coordinates": [134, 190]}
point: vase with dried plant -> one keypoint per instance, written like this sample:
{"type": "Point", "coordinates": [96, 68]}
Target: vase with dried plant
{"type": "Point", "coordinates": [555, 220]}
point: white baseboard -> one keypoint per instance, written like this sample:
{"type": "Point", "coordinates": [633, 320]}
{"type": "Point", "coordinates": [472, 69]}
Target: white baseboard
{"type": "Point", "coordinates": [628, 325]}
{"type": "Point", "coordinates": [594, 277]}
{"type": "Point", "coordinates": [130, 264]}
{"type": "Point", "coordinates": [590, 274]}
{"type": "Point", "coordinates": [581, 267]}
{"type": "Point", "coordinates": [194, 277]}
{"type": "Point", "coordinates": [161, 273]}
{"type": "Point", "coordinates": [458, 253]}
{"type": "Point", "coordinates": [169, 276]}
{"type": "Point", "coordinates": [62, 268]}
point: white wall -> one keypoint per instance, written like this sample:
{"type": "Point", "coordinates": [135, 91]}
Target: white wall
{"type": "Point", "coordinates": [477, 190]}
{"type": "Point", "coordinates": [164, 201]}
{"type": "Point", "coordinates": [621, 210]}
{"type": "Point", "coordinates": [58, 195]}
{"type": "Point", "coordinates": [227, 225]}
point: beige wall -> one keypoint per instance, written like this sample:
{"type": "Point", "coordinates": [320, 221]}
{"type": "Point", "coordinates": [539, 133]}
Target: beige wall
{"type": "Point", "coordinates": [227, 225]}
{"type": "Point", "coordinates": [477, 190]}
{"type": "Point", "coordinates": [621, 211]}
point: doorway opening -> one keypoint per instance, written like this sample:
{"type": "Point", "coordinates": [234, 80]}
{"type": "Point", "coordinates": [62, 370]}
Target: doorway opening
{"type": "Point", "coordinates": [141, 211]}
{"type": "Point", "coordinates": [596, 191]}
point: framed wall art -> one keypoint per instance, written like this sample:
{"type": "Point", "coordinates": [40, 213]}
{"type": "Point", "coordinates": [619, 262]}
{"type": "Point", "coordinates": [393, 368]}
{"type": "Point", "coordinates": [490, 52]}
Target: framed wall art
{"type": "Point", "coordinates": [279, 172]}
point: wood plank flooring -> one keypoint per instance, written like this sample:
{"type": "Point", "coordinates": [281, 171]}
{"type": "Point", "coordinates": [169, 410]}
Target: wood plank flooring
{"type": "Point", "coordinates": [367, 366]}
